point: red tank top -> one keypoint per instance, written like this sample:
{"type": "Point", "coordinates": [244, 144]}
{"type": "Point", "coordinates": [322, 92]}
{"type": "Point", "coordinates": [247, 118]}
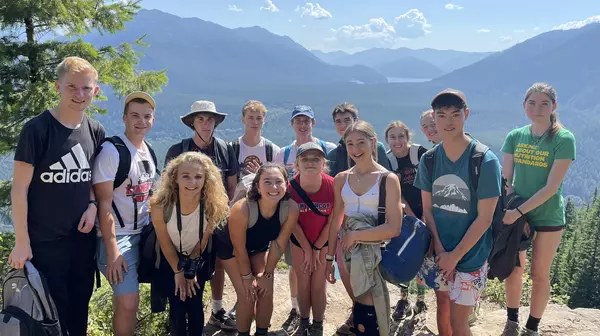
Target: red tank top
{"type": "Point", "coordinates": [311, 223]}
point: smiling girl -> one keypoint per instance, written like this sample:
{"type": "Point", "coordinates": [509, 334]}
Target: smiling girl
{"type": "Point", "coordinates": [356, 202]}
{"type": "Point", "coordinates": [536, 160]}
{"type": "Point", "coordinates": [428, 127]}
{"type": "Point", "coordinates": [189, 204]}
{"type": "Point", "coordinates": [251, 244]}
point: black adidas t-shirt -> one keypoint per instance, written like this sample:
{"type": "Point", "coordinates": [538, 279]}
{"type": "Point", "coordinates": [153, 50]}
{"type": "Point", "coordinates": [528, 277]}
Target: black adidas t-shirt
{"type": "Point", "coordinates": [222, 156]}
{"type": "Point", "coordinates": [59, 192]}
{"type": "Point", "coordinates": [406, 173]}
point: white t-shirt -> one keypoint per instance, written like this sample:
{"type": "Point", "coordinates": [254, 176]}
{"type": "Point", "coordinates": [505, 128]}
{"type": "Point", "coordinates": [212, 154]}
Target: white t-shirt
{"type": "Point", "coordinates": [190, 230]}
{"type": "Point", "coordinates": [257, 152]}
{"type": "Point", "coordinates": [138, 184]}
{"type": "Point", "coordinates": [329, 146]}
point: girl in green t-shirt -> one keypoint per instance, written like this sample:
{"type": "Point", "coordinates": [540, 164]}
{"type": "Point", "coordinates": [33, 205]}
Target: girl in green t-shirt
{"type": "Point", "coordinates": [536, 160]}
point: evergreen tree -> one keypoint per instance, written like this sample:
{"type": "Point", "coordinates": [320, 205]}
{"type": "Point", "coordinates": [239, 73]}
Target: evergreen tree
{"type": "Point", "coordinates": [28, 58]}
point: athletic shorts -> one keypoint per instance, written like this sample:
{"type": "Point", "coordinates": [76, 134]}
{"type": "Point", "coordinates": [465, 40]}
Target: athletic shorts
{"type": "Point", "coordinates": [466, 287]}
{"type": "Point", "coordinates": [129, 247]}
{"type": "Point", "coordinates": [225, 246]}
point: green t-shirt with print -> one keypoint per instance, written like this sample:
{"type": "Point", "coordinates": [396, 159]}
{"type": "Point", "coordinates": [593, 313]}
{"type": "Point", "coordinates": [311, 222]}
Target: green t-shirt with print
{"type": "Point", "coordinates": [533, 158]}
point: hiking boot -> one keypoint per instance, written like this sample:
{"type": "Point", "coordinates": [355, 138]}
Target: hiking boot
{"type": "Point", "coordinates": [528, 332]}
{"type": "Point", "coordinates": [222, 320]}
{"type": "Point", "coordinates": [290, 326]}
{"type": "Point", "coordinates": [303, 331]}
{"type": "Point", "coordinates": [511, 328]}
{"type": "Point", "coordinates": [316, 331]}
{"type": "Point", "coordinates": [419, 307]}
{"type": "Point", "coordinates": [344, 329]}
{"type": "Point", "coordinates": [400, 310]}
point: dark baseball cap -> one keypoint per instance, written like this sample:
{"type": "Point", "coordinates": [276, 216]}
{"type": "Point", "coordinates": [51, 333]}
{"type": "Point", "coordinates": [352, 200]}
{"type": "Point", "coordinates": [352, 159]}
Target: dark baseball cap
{"type": "Point", "coordinates": [303, 110]}
{"type": "Point", "coordinates": [308, 147]}
{"type": "Point", "coordinates": [450, 92]}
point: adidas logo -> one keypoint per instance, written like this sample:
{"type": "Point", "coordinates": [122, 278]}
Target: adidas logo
{"type": "Point", "coordinates": [73, 167]}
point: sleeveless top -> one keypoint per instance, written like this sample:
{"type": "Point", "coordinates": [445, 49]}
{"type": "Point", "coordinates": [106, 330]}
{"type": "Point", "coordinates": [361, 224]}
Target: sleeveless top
{"type": "Point", "coordinates": [368, 203]}
{"type": "Point", "coordinates": [190, 230]}
{"type": "Point", "coordinates": [264, 231]}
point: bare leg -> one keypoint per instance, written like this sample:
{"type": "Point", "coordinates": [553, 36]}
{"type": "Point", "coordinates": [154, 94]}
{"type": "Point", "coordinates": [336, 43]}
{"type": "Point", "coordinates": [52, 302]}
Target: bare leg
{"type": "Point", "coordinates": [125, 310]}
{"type": "Point", "coordinates": [245, 309]}
{"type": "Point", "coordinates": [443, 313]}
{"type": "Point", "coordinates": [303, 283]}
{"type": "Point", "coordinates": [514, 283]}
{"type": "Point", "coordinates": [264, 304]}
{"type": "Point", "coordinates": [318, 291]}
{"type": "Point", "coordinates": [545, 246]}
{"type": "Point", "coordinates": [218, 281]}
{"type": "Point", "coordinates": [459, 318]}
{"type": "Point", "coordinates": [343, 272]}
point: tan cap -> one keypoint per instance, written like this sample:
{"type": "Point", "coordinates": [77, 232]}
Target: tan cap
{"type": "Point", "coordinates": [142, 95]}
{"type": "Point", "coordinates": [452, 92]}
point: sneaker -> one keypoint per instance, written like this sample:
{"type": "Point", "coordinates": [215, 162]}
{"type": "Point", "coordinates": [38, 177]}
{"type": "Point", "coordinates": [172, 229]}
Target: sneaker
{"type": "Point", "coordinates": [303, 331]}
{"type": "Point", "coordinates": [419, 307]}
{"type": "Point", "coordinates": [290, 326]}
{"type": "Point", "coordinates": [316, 331]}
{"type": "Point", "coordinates": [400, 310]}
{"type": "Point", "coordinates": [528, 332]}
{"type": "Point", "coordinates": [344, 329]}
{"type": "Point", "coordinates": [511, 328]}
{"type": "Point", "coordinates": [222, 320]}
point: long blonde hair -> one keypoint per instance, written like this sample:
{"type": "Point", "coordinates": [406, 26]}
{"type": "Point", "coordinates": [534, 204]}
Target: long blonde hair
{"type": "Point", "coordinates": [213, 193]}
{"type": "Point", "coordinates": [367, 130]}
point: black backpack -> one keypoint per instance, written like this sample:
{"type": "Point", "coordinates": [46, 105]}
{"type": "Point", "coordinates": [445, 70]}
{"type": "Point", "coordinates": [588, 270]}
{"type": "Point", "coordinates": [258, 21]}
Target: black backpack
{"type": "Point", "coordinates": [475, 160]}
{"type": "Point", "coordinates": [268, 149]}
{"type": "Point", "coordinates": [123, 171]}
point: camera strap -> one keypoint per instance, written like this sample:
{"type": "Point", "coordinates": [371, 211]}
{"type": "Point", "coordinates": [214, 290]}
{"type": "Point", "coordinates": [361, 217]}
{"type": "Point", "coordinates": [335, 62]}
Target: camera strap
{"type": "Point", "coordinates": [180, 226]}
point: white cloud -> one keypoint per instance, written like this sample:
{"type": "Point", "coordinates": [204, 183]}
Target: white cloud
{"type": "Point", "coordinates": [234, 8]}
{"type": "Point", "coordinates": [506, 39]}
{"type": "Point", "coordinates": [269, 7]}
{"type": "Point", "coordinates": [536, 28]}
{"type": "Point", "coordinates": [314, 11]}
{"type": "Point", "coordinates": [411, 24]}
{"type": "Point", "coordinates": [452, 7]}
{"type": "Point", "coordinates": [483, 31]}
{"type": "Point", "coordinates": [376, 32]}
{"type": "Point", "coordinates": [577, 24]}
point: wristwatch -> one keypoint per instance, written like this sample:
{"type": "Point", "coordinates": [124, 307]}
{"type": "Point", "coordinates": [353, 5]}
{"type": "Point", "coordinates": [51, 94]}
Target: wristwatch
{"type": "Point", "coordinates": [329, 257]}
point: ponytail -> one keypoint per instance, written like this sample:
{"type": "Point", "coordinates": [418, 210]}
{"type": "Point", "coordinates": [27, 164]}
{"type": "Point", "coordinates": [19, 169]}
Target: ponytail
{"type": "Point", "coordinates": [555, 125]}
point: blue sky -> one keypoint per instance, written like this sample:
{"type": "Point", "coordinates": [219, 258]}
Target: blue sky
{"type": "Point", "coordinates": [353, 25]}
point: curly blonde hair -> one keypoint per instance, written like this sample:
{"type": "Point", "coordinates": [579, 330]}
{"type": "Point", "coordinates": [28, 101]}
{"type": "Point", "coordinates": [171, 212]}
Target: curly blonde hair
{"type": "Point", "coordinates": [213, 192]}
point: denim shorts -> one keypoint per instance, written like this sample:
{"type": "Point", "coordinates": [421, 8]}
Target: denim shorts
{"type": "Point", "coordinates": [129, 247]}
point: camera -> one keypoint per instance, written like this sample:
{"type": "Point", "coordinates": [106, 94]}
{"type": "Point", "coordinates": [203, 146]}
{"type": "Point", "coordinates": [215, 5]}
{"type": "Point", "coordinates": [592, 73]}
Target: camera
{"type": "Point", "coordinates": [189, 266]}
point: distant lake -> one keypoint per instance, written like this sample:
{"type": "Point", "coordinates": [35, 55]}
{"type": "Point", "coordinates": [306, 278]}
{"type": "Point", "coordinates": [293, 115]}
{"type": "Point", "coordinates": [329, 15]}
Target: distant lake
{"type": "Point", "coordinates": [407, 80]}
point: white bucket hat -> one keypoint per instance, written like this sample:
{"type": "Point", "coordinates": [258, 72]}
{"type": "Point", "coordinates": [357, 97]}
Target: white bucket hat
{"type": "Point", "coordinates": [202, 106]}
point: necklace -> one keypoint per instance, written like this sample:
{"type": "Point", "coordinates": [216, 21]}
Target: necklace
{"type": "Point", "coordinates": [360, 175]}
{"type": "Point", "coordinates": [535, 140]}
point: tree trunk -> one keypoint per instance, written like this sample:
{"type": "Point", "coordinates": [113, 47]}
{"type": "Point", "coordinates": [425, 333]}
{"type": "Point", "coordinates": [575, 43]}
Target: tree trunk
{"type": "Point", "coordinates": [31, 52]}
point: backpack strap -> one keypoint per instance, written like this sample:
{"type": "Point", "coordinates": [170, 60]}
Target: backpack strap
{"type": "Point", "coordinates": [153, 155]}
{"type": "Point", "coordinates": [382, 195]}
{"type": "Point", "coordinates": [477, 154]}
{"type": "Point", "coordinates": [268, 150]}
{"type": "Point", "coordinates": [428, 158]}
{"type": "Point", "coordinates": [284, 208]}
{"type": "Point", "coordinates": [323, 146]}
{"type": "Point", "coordinates": [305, 198]}
{"type": "Point", "coordinates": [235, 144]}
{"type": "Point", "coordinates": [186, 145]}
{"type": "Point", "coordinates": [286, 153]}
{"type": "Point", "coordinates": [167, 212]}
{"type": "Point", "coordinates": [252, 212]}
{"type": "Point", "coordinates": [393, 160]}
{"type": "Point", "coordinates": [222, 150]}
{"type": "Point", "coordinates": [414, 154]}
{"type": "Point", "coordinates": [122, 171]}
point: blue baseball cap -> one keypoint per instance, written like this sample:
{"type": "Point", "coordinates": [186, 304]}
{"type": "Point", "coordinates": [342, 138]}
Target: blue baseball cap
{"type": "Point", "coordinates": [303, 110]}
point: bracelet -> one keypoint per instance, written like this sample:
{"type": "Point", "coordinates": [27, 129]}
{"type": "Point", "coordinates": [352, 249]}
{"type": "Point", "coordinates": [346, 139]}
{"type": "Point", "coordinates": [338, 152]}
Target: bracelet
{"type": "Point", "coordinates": [316, 248]}
{"type": "Point", "coordinates": [247, 276]}
{"type": "Point", "coordinates": [94, 202]}
{"type": "Point", "coordinates": [329, 257]}
{"type": "Point", "coordinates": [519, 210]}
{"type": "Point", "coordinates": [267, 275]}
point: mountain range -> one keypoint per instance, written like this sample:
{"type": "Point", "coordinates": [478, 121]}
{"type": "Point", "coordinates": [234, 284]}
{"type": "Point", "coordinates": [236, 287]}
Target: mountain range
{"type": "Point", "coordinates": [404, 62]}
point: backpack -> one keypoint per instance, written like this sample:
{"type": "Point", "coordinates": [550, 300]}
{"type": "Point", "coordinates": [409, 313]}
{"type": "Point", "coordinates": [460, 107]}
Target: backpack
{"type": "Point", "coordinates": [27, 307]}
{"type": "Point", "coordinates": [287, 149]}
{"type": "Point", "coordinates": [221, 149]}
{"type": "Point", "coordinates": [123, 172]}
{"type": "Point", "coordinates": [253, 212]}
{"type": "Point", "coordinates": [268, 149]}
{"type": "Point", "coordinates": [475, 160]}
{"type": "Point", "coordinates": [508, 242]}
{"type": "Point", "coordinates": [403, 255]}
{"type": "Point", "coordinates": [413, 153]}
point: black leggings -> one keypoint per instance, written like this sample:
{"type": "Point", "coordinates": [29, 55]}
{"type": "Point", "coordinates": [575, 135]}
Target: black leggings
{"type": "Point", "coordinates": [193, 308]}
{"type": "Point", "coordinates": [365, 318]}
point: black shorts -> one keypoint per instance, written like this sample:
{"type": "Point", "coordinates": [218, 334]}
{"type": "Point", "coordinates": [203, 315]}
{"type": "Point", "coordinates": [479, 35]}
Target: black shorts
{"type": "Point", "coordinates": [297, 243]}
{"type": "Point", "coordinates": [225, 246]}
{"type": "Point", "coordinates": [549, 228]}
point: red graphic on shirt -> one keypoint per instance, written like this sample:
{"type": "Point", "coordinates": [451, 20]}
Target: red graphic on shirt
{"type": "Point", "coordinates": [407, 175]}
{"type": "Point", "coordinates": [139, 192]}
{"type": "Point", "coordinates": [311, 223]}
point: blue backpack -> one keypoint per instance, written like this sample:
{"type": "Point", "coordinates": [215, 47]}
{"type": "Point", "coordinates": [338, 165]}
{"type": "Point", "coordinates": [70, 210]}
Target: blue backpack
{"type": "Point", "coordinates": [403, 256]}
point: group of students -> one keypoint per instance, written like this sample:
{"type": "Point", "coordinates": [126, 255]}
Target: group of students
{"type": "Point", "coordinates": [82, 201]}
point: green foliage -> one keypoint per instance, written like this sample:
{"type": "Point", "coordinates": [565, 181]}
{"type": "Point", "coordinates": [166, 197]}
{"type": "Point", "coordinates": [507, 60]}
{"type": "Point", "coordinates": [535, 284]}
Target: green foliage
{"type": "Point", "coordinates": [27, 65]}
{"type": "Point", "coordinates": [7, 241]}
